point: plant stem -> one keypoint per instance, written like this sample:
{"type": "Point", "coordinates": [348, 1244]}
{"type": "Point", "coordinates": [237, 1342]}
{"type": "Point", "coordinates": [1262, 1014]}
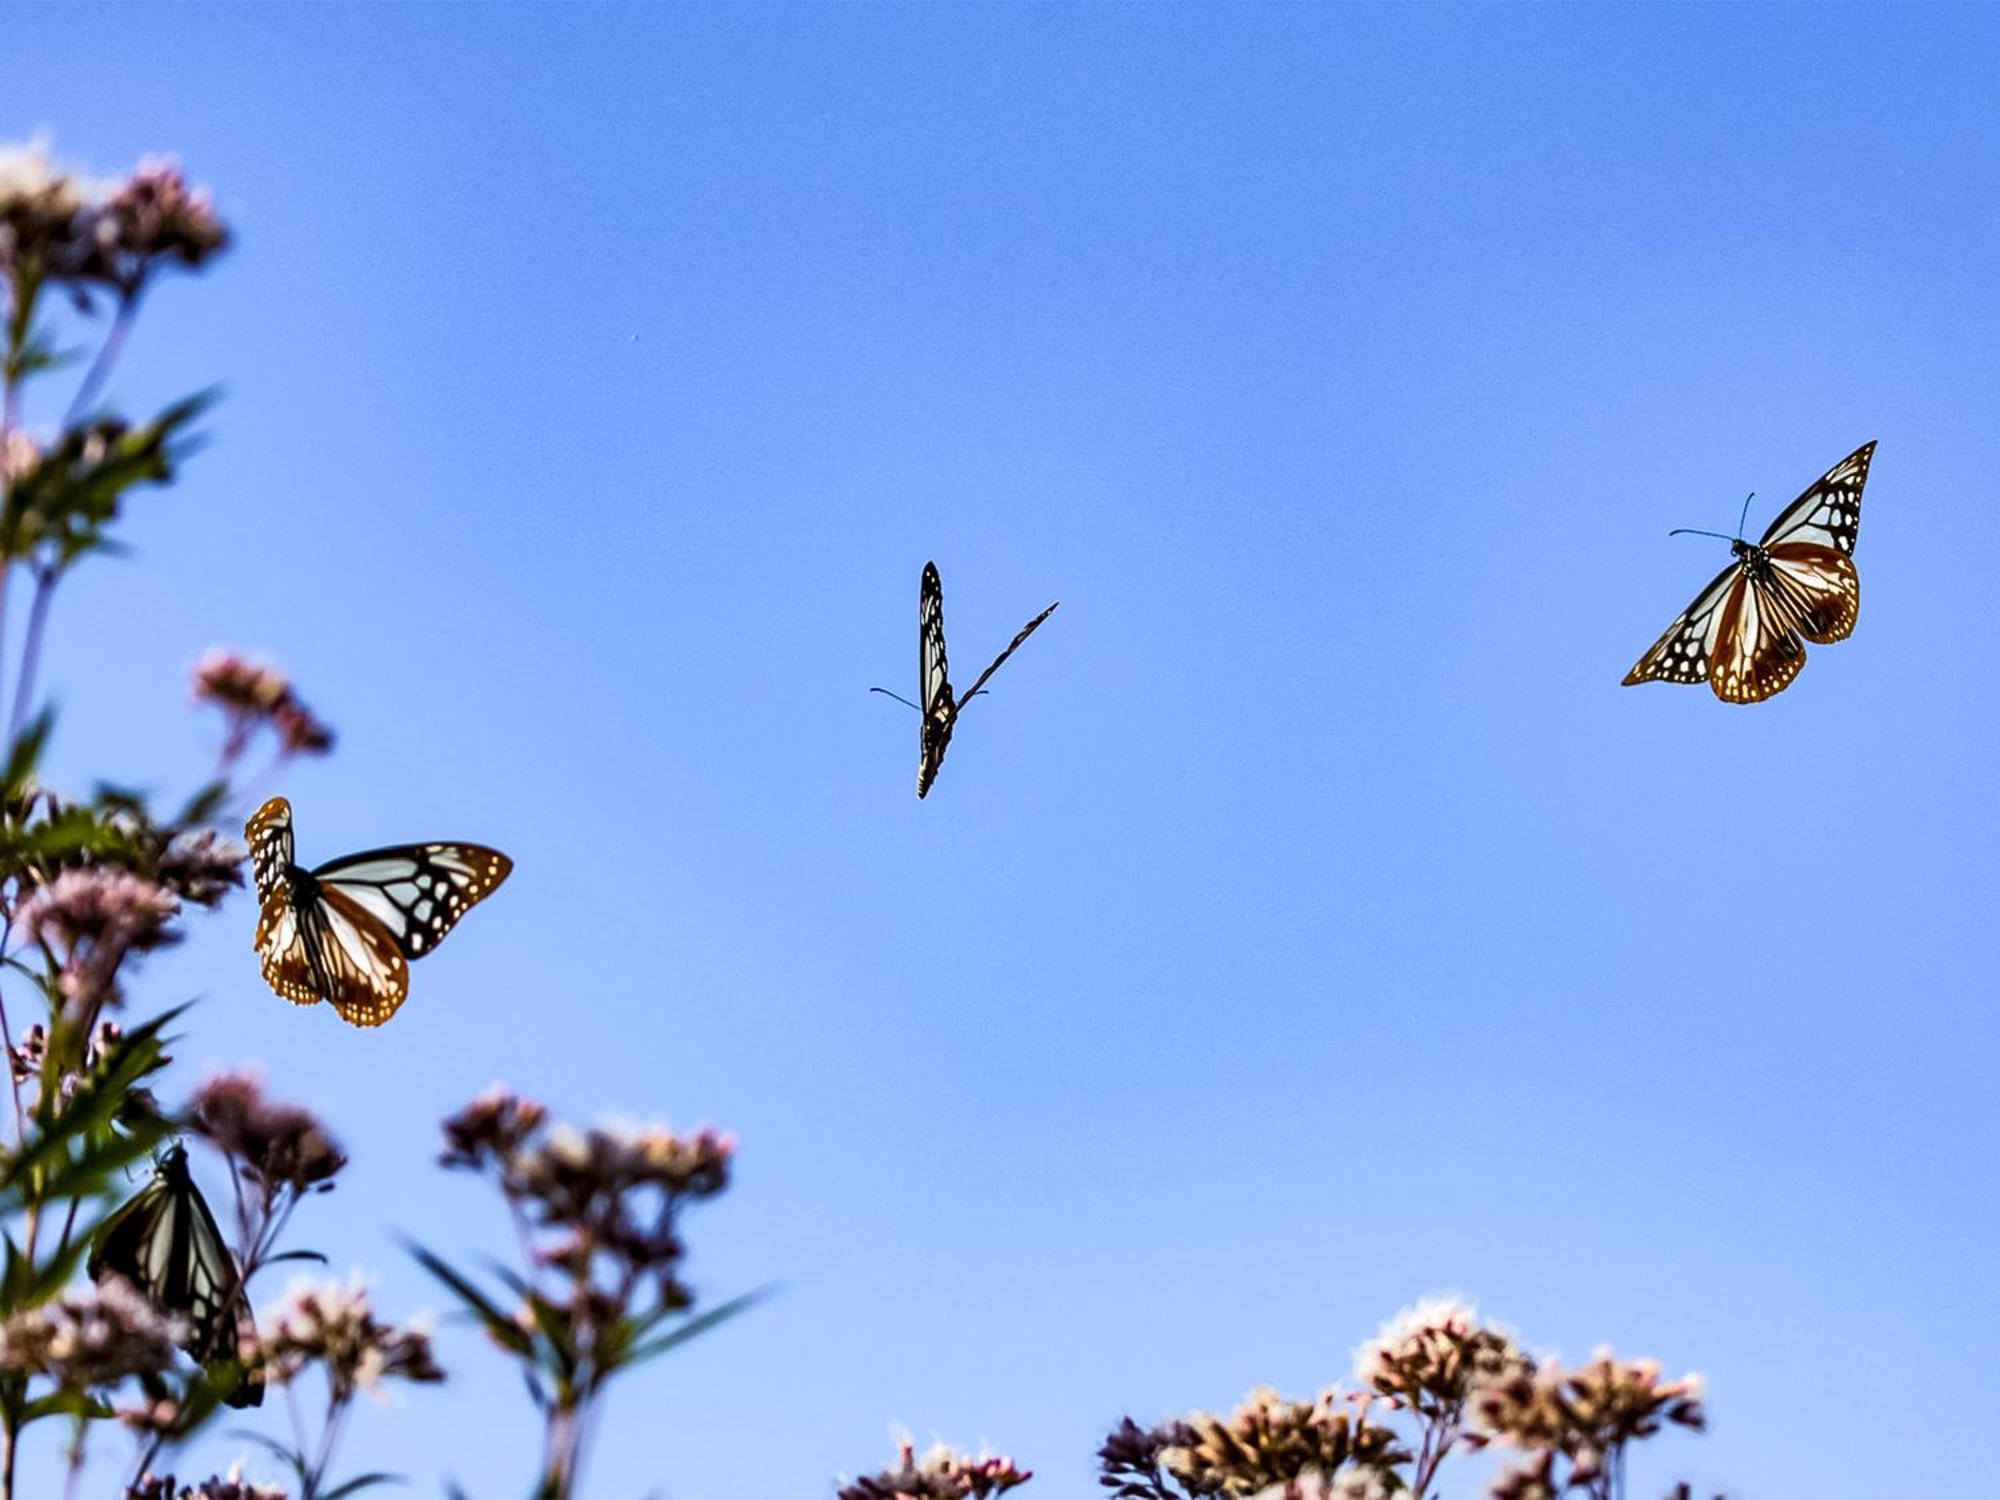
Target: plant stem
{"type": "Point", "coordinates": [31, 649]}
{"type": "Point", "coordinates": [107, 356]}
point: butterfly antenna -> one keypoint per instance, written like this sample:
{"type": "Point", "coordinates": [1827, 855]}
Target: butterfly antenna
{"type": "Point", "coordinates": [897, 696]}
{"type": "Point", "coordinates": [1697, 531]}
{"type": "Point", "coordinates": [1745, 516]}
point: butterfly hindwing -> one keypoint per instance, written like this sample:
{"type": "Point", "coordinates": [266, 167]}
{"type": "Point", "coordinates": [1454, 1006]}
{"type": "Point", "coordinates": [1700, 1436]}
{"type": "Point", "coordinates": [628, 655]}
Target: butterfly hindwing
{"type": "Point", "coordinates": [1758, 650]}
{"type": "Point", "coordinates": [1820, 585]}
{"type": "Point", "coordinates": [166, 1243]}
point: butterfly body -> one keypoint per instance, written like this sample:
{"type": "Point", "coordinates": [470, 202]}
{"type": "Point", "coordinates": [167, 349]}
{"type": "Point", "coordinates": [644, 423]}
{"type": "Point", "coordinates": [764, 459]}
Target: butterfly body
{"type": "Point", "coordinates": [1745, 633]}
{"type": "Point", "coordinates": [936, 701]}
{"type": "Point", "coordinates": [345, 931]}
{"type": "Point", "coordinates": [164, 1241]}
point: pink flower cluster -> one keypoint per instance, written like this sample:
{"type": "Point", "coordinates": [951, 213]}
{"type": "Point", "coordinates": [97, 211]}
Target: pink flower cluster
{"type": "Point", "coordinates": [89, 1337]}
{"type": "Point", "coordinates": [112, 234]}
{"type": "Point", "coordinates": [941, 1474]}
{"type": "Point", "coordinates": [252, 695]}
{"type": "Point", "coordinates": [92, 919]}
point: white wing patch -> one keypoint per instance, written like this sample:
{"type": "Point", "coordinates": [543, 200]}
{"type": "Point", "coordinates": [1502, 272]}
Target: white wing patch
{"type": "Point", "coordinates": [1829, 512]}
{"type": "Point", "coordinates": [1683, 653]}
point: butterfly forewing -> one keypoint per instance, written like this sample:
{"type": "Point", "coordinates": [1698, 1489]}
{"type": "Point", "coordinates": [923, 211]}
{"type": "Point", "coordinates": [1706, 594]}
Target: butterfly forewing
{"type": "Point", "coordinates": [1012, 646]}
{"type": "Point", "coordinates": [418, 891]}
{"type": "Point", "coordinates": [1684, 652]}
{"type": "Point", "coordinates": [270, 833]}
{"type": "Point", "coordinates": [933, 681]}
{"type": "Point", "coordinates": [933, 673]}
{"type": "Point", "coordinates": [1829, 512]}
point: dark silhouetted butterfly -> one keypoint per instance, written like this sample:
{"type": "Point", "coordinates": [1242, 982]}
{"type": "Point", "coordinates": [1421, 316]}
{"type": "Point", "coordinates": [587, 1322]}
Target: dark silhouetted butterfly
{"type": "Point", "coordinates": [1742, 635]}
{"type": "Point", "coordinates": [165, 1242]}
{"type": "Point", "coordinates": [344, 932]}
{"type": "Point", "coordinates": [939, 708]}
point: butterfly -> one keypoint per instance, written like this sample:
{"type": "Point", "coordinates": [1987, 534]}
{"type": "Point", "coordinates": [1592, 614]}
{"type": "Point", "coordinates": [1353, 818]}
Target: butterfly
{"type": "Point", "coordinates": [939, 708]}
{"type": "Point", "coordinates": [1745, 633]}
{"type": "Point", "coordinates": [165, 1242]}
{"type": "Point", "coordinates": [344, 932]}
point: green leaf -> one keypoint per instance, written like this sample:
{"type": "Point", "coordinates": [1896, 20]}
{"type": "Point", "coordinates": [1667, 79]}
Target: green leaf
{"type": "Point", "coordinates": [366, 1481]}
{"type": "Point", "coordinates": [66, 1403]}
{"type": "Point", "coordinates": [503, 1329]}
{"type": "Point", "coordinates": [695, 1326]}
{"type": "Point", "coordinates": [26, 753]}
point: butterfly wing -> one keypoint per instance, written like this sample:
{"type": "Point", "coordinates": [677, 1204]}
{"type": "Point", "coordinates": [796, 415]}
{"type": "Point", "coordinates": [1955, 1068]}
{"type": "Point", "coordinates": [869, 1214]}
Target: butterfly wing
{"type": "Point", "coordinates": [934, 694]}
{"type": "Point", "coordinates": [166, 1243]}
{"type": "Point", "coordinates": [1828, 514]}
{"type": "Point", "coordinates": [417, 892]}
{"type": "Point", "coordinates": [1688, 646]}
{"type": "Point", "coordinates": [328, 947]}
{"type": "Point", "coordinates": [1757, 651]}
{"type": "Point", "coordinates": [270, 833]}
{"type": "Point", "coordinates": [1012, 646]}
{"type": "Point", "coordinates": [1818, 586]}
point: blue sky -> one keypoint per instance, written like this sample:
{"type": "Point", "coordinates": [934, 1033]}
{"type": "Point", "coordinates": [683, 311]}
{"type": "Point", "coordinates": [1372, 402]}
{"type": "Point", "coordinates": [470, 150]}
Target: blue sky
{"type": "Point", "coordinates": [1309, 920]}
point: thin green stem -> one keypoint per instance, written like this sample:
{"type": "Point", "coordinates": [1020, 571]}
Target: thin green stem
{"type": "Point", "coordinates": [107, 356]}
{"type": "Point", "coordinates": [31, 648]}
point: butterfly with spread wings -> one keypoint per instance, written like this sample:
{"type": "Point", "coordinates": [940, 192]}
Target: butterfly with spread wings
{"type": "Point", "coordinates": [939, 707]}
{"type": "Point", "coordinates": [166, 1243]}
{"type": "Point", "coordinates": [345, 931]}
{"type": "Point", "coordinates": [1745, 633]}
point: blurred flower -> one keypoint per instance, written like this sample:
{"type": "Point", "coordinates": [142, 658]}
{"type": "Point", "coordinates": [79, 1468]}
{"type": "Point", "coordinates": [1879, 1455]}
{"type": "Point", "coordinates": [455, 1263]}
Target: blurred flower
{"type": "Point", "coordinates": [229, 1486]}
{"type": "Point", "coordinates": [151, 216]}
{"type": "Point", "coordinates": [90, 1336]}
{"type": "Point", "coordinates": [93, 918]}
{"type": "Point", "coordinates": [99, 905]}
{"type": "Point", "coordinates": [612, 1189]}
{"type": "Point", "coordinates": [19, 455]}
{"type": "Point", "coordinates": [1128, 1461]}
{"type": "Point", "coordinates": [202, 866]}
{"type": "Point", "coordinates": [253, 694]}
{"type": "Point", "coordinates": [1586, 1415]}
{"type": "Point", "coordinates": [1431, 1355]}
{"type": "Point", "coordinates": [940, 1474]}
{"type": "Point", "coordinates": [299, 733]}
{"type": "Point", "coordinates": [274, 1145]}
{"type": "Point", "coordinates": [39, 207]}
{"type": "Point", "coordinates": [151, 1417]}
{"type": "Point", "coordinates": [27, 1057]}
{"type": "Point", "coordinates": [492, 1127]}
{"type": "Point", "coordinates": [1349, 1484]}
{"type": "Point", "coordinates": [331, 1323]}
{"type": "Point", "coordinates": [1271, 1441]}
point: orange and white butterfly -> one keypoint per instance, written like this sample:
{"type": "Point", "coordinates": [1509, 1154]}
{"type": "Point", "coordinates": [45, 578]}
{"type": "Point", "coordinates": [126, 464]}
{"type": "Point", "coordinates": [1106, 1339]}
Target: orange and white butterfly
{"type": "Point", "coordinates": [345, 931]}
{"type": "Point", "coordinates": [939, 707]}
{"type": "Point", "coordinates": [1743, 633]}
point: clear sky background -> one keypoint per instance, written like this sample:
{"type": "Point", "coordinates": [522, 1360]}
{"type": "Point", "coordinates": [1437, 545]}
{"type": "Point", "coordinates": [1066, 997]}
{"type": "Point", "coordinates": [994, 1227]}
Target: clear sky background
{"type": "Point", "coordinates": [1309, 920]}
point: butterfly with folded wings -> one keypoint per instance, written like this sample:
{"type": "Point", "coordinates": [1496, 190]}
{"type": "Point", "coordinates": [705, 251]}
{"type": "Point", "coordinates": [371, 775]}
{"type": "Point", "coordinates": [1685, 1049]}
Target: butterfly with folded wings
{"type": "Point", "coordinates": [1745, 633]}
{"type": "Point", "coordinates": [939, 706]}
{"type": "Point", "coordinates": [346, 930]}
{"type": "Point", "coordinates": [165, 1242]}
